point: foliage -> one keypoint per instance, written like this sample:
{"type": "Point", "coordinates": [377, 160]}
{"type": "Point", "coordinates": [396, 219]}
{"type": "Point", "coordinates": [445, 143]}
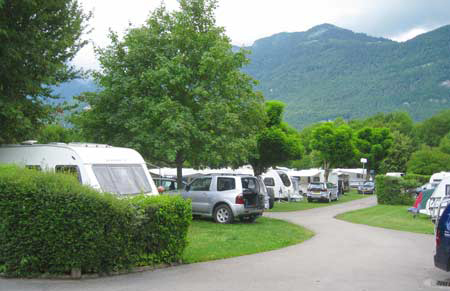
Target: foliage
{"type": "Point", "coordinates": [57, 133]}
{"type": "Point", "coordinates": [38, 39]}
{"type": "Point", "coordinates": [277, 143]}
{"type": "Point", "coordinates": [49, 223]}
{"type": "Point", "coordinates": [392, 190]}
{"type": "Point", "coordinates": [427, 161]}
{"type": "Point", "coordinates": [334, 143]}
{"type": "Point", "coordinates": [399, 121]}
{"type": "Point", "coordinates": [421, 179]}
{"type": "Point", "coordinates": [174, 91]}
{"type": "Point", "coordinates": [328, 72]}
{"type": "Point", "coordinates": [163, 229]}
{"type": "Point", "coordinates": [373, 144]}
{"type": "Point", "coordinates": [444, 145]}
{"type": "Point", "coordinates": [398, 154]}
{"type": "Point", "coordinates": [431, 130]}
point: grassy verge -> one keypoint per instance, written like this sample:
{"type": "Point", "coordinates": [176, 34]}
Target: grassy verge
{"type": "Point", "coordinates": [212, 241]}
{"type": "Point", "coordinates": [390, 216]}
{"type": "Point", "coordinates": [304, 205]}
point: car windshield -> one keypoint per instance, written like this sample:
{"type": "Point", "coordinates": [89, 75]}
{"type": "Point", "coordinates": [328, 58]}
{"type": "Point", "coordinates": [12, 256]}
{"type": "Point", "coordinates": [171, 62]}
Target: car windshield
{"type": "Point", "coordinates": [122, 179]}
{"type": "Point", "coordinates": [368, 184]}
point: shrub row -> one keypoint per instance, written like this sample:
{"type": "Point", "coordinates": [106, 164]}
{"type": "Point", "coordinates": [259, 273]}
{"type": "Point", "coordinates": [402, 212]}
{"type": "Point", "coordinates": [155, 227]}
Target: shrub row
{"type": "Point", "coordinates": [49, 223]}
{"type": "Point", "coordinates": [421, 179]}
{"type": "Point", "coordinates": [394, 190]}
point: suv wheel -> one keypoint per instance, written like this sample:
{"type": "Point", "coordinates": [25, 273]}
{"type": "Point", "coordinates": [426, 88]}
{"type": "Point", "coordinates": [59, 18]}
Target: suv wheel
{"type": "Point", "coordinates": [223, 214]}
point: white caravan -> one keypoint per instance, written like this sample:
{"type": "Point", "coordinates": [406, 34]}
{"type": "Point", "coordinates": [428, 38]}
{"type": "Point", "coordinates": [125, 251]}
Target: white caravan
{"type": "Point", "coordinates": [121, 171]}
{"type": "Point", "coordinates": [439, 199]}
{"type": "Point", "coordinates": [280, 183]}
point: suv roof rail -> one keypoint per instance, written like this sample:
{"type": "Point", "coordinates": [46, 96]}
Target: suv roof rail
{"type": "Point", "coordinates": [226, 174]}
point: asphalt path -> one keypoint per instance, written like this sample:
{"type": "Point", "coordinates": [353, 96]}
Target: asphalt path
{"type": "Point", "coordinates": [341, 256]}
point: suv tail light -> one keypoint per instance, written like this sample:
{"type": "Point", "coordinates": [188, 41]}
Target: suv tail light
{"type": "Point", "coordinates": [240, 199]}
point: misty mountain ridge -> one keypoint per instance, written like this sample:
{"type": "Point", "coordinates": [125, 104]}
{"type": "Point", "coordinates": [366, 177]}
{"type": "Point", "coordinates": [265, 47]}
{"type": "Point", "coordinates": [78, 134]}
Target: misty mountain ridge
{"type": "Point", "coordinates": [328, 72]}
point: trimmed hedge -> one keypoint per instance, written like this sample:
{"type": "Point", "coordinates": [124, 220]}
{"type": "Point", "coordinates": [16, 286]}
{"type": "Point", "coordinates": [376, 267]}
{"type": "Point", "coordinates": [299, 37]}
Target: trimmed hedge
{"type": "Point", "coordinates": [393, 190]}
{"type": "Point", "coordinates": [49, 223]}
{"type": "Point", "coordinates": [421, 179]}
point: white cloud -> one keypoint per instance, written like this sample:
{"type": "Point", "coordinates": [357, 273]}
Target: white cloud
{"type": "Point", "coordinates": [409, 34]}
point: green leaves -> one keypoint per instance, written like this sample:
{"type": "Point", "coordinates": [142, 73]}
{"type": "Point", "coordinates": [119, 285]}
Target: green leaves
{"type": "Point", "coordinates": [174, 91]}
{"type": "Point", "coordinates": [38, 39]}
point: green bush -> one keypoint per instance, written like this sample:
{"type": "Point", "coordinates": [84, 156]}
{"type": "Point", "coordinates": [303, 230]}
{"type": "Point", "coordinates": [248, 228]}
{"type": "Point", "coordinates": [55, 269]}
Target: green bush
{"type": "Point", "coordinates": [393, 190]}
{"type": "Point", "coordinates": [49, 223]}
{"type": "Point", "coordinates": [421, 179]}
{"type": "Point", "coordinates": [164, 227]}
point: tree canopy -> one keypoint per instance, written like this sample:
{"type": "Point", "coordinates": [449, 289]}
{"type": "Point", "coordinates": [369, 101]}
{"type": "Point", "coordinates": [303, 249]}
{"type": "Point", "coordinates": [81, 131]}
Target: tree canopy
{"type": "Point", "coordinates": [373, 144]}
{"type": "Point", "coordinates": [428, 161]}
{"type": "Point", "coordinates": [173, 90]}
{"type": "Point", "coordinates": [38, 39]}
{"type": "Point", "coordinates": [334, 144]}
{"type": "Point", "coordinates": [277, 143]}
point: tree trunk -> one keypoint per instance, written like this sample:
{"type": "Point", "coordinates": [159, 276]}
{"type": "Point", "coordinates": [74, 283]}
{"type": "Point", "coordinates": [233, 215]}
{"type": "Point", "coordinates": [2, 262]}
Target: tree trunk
{"type": "Point", "coordinates": [179, 163]}
{"type": "Point", "coordinates": [326, 167]}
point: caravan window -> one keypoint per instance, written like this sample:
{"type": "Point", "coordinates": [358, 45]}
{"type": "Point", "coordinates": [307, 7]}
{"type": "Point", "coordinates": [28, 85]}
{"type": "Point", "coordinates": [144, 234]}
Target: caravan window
{"type": "Point", "coordinates": [122, 179]}
{"type": "Point", "coordinates": [34, 167]}
{"type": "Point", "coordinates": [69, 169]}
{"type": "Point", "coordinates": [316, 179]}
{"type": "Point", "coordinates": [285, 179]}
{"type": "Point", "coordinates": [269, 182]}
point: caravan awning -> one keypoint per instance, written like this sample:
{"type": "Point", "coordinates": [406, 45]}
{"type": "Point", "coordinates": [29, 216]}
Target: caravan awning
{"type": "Point", "coordinates": [305, 173]}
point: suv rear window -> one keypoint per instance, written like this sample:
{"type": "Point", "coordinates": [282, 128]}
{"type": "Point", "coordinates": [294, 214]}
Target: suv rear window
{"type": "Point", "coordinates": [316, 186]}
{"type": "Point", "coordinates": [225, 184]}
{"type": "Point", "coordinates": [269, 182]}
{"type": "Point", "coordinates": [250, 183]}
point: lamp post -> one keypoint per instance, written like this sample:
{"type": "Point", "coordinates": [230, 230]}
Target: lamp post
{"type": "Point", "coordinates": [364, 161]}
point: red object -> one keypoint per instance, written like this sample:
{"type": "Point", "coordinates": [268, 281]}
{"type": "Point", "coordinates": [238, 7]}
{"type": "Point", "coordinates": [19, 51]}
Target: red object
{"type": "Point", "coordinates": [161, 189]}
{"type": "Point", "coordinates": [240, 199]}
{"type": "Point", "coordinates": [418, 200]}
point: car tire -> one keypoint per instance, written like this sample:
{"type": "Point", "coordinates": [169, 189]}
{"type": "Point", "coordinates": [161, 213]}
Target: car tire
{"type": "Point", "coordinates": [309, 199]}
{"type": "Point", "coordinates": [247, 218]}
{"type": "Point", "coordinates": [223, 214]}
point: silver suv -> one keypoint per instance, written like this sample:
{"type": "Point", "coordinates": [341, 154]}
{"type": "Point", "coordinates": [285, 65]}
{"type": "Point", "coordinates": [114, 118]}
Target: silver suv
{"type": "Point", "coordinates": [225, 197]}
{"type": "Point", "coordinates": [322, 191]}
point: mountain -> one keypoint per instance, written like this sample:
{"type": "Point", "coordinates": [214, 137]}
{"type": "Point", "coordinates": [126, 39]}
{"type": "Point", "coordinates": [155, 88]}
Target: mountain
{"type": "Point", "coordinates": [328, 72]}
{"type": "Point", "coordinates": [68, 90]}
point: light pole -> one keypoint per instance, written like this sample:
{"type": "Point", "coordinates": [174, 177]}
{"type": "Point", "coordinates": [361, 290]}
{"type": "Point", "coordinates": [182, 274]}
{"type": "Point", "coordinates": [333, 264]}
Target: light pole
{"type": "Point", "coordinates": [364, 161]}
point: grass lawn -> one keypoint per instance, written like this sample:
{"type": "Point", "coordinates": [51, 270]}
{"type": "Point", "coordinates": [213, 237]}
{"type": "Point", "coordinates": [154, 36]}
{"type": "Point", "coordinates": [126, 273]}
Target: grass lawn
{"type": "Point", "coordinates": [304, 205]}
{"type": "Point", "coordinates": [212, 241]}
{"type": "Point", "coordinates": [390, 216]}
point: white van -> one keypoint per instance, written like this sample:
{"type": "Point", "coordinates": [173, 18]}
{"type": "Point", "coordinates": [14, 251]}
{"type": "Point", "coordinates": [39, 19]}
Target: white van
{"type": "Point", "coordinates": [281, 184]}
{"type": "Point", "coordinates": [105, 168]}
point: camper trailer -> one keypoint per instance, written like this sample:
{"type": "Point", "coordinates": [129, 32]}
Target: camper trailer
{"type": "Point", "coordinates": [439, 199]}
{"type": "Point", "coordinates": [121, 171]}
{"type": "Point", "coordinates": [281, 184]}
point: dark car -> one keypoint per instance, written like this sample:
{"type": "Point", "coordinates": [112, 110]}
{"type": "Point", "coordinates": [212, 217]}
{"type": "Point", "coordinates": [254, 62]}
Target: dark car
{"type": "Point", "coordinates": [442, 256]}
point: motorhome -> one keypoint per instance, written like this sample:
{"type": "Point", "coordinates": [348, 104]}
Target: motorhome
{"type": "Point", "coordinates": [281, 184]}
{"type": "Point", "coordinates": [117, 170]}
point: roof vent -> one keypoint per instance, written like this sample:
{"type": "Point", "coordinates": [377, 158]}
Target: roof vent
{"type": "Point", "coordinates": [29, 142]}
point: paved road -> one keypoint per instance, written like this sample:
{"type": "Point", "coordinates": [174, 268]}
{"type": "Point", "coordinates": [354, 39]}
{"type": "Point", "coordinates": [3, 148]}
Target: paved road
{"type": "Point", "coordinates": [342, 256]}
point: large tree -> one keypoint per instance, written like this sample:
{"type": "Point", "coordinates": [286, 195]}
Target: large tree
{"type": "Point", "coordinates": [431, 130]}
{"type": "Point", "coordinates": [174, 90]}
{"type": "Point", "coordinates": [373, 144]}
{"type": "Point", "coordinates": [277, 143]}
{"type": "Point", "coordinates": [38, 38]}
{"type": "Point", "coordinates": [334, 144]}
{"type": "Point", "coordinates": [398, 154]}
{"type": "Point", "coordinates": [428, 161]}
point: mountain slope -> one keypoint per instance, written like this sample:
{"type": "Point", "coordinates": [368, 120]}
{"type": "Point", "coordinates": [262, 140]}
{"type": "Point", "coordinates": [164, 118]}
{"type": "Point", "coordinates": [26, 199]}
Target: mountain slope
{"type": "Point", "coordinates": [328, 72]}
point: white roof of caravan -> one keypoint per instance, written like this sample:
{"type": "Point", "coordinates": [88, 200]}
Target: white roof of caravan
{"type": "Point", "coordinates": [353, 171]}
{"type": "Point", "coordinates": [89, 153]}
{"type": "Point", "coordinates": [441, 188]}
{"type": "Point", "coordinates": [305, 173]}
{"type": "Point", "coordinates": [439, 176]}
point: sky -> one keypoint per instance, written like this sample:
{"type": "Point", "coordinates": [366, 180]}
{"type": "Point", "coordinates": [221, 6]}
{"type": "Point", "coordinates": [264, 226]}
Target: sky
{"type": "Point", "coordinates": [248, 20]}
